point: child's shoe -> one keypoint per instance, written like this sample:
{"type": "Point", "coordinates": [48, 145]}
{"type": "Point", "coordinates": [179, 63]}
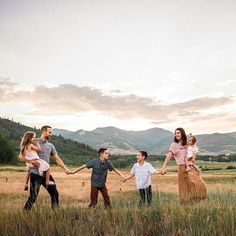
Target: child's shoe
{"type": "Point", "coordinates": [50, 183]}
{"type": "Point", "coordinates": [188, 169]}
{"type": "Point", "coordinates": [199, 171]}
{"type": "Point", "coordinates": [26, 188]}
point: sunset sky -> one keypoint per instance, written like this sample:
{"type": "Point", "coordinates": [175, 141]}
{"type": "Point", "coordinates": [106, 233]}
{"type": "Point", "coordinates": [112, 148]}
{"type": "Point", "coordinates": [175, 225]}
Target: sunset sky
{"type": "Point", "coordinates": [82, 64]}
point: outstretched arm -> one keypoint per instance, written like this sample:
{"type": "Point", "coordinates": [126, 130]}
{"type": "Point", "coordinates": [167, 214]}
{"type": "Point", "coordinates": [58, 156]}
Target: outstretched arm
{"type": "Point", "coordinates": [159, 172]}
{"type": "Point", "coordinates": [78, 169]}
{"type": "Point", "coordinates": [119, 173]}
{"type": "Point", "coordinates": [60, 163]}
{"type": "Point", "coordinates": [168, 157]}
{"type": "Point", "coordinates": [128, 177]}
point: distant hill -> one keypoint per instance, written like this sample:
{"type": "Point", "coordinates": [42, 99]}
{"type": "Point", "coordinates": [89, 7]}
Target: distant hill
{"type": "Point", "coordinates": [120, 141]}
{"type": "Point", "coordinates": [70, 151]}
{"type": "Point", "coordinates": [218, 143]}
{"type": "Point", "coordinates": [80, 146]}
{"type": "Point", "coordinates": [155, 140]}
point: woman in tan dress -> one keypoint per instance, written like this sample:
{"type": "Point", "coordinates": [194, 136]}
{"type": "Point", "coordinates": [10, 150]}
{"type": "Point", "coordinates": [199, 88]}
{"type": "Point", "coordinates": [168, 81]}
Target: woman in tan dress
{"type": "Point", "coordinates": [192, 188]}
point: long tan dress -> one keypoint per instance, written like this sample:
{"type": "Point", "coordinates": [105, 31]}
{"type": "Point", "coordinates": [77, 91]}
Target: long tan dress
{"type": "Point", "coordinates": [192, 188]}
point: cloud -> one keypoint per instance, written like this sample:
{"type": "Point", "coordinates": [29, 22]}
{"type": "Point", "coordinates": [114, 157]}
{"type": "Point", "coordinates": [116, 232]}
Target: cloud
{"type": "Point", "coordinates": [220, 122]}
{"type": "Point", "coordinates": [228, 82]}
{"type": "Point", "coordinates": [69, 98]}
{"type": "Point", "coordinates": [6, 89]}
{"type": "Point", "coordinates": [6, 82]}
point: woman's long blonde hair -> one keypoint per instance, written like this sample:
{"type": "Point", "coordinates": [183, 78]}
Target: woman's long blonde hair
{"type": "Point", "coordinates": [25, 141]}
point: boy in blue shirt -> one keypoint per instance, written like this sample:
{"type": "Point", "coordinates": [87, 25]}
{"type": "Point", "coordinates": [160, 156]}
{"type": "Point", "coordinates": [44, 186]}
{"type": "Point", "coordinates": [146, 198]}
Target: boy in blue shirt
{"type": "Point", "coordinates": [100, 168]}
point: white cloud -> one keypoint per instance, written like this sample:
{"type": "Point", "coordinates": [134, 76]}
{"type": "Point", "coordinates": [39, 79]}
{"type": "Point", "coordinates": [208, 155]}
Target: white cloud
{"type": "Point", "coordinates": [225, 83]}
{"type": "Point", "coordinates": [68, 100]}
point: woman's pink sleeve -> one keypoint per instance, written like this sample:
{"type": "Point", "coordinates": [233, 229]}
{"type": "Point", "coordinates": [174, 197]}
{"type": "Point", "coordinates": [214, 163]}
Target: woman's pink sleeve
{"type": "Point", "coordinates": [173, 148]}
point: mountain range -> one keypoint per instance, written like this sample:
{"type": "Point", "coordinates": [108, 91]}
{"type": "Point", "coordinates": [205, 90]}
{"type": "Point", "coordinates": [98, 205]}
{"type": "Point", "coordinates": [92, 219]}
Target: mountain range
{"type": "Point", "coordinates": [155, 140]}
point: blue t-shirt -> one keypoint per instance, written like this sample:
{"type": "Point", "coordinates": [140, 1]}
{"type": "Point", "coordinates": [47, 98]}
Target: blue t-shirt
{"type": "Point", "coordinates": [99, 173]}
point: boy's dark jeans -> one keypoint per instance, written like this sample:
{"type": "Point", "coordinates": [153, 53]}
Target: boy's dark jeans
{"type": "Point", "coordinates": [94, 196]}
{"type": "Point", "coordinates": [35, 182]}
{"type": "Point", "coordinates": [145, 192]}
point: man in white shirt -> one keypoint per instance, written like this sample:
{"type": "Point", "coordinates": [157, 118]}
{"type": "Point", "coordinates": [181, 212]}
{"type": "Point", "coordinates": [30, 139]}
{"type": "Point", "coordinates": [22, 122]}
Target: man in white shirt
{"type": "Point", "coordinates": [142, 171]}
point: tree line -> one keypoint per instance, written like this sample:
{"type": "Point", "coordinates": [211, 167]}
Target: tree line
{"type": "Point", "coordinates": [72, 152]}
{"type": "Point", "coordinates": [11, 133]}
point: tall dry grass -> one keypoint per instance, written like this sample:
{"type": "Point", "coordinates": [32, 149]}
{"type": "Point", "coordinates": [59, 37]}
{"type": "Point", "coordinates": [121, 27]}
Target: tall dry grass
{"type": "Point", "coordinates": [214, 216]}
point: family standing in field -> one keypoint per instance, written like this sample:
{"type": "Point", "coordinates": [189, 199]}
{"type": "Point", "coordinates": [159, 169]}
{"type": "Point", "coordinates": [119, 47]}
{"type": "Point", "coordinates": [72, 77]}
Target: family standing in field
{"type": "Point", "coordinates": [38, 152]}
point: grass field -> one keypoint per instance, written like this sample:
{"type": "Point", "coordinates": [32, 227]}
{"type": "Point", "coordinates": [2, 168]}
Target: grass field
{"type": "Point", "coordinates": [214, 216]}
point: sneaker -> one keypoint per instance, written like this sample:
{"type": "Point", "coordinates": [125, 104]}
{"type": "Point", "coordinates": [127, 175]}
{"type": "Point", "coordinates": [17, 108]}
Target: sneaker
{"type": "Point", "coordinates": [50, 183]}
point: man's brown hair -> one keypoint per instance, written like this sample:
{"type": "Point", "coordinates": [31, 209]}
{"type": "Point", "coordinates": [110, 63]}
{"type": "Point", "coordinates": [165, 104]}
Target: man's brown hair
{"type": "Point", "coordinates": [45, 127]}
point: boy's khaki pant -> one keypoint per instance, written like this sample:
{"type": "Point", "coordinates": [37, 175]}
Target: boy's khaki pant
{"type": "Point", "coordinates": [94, 196]}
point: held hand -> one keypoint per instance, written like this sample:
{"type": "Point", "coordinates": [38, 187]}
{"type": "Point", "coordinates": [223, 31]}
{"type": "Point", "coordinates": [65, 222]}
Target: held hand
{"type": "Point", "coordinates": [159, 172]}
{"type": "Point", "coordinates": [162, 171]}
{"type": "Point", "coordinates": [123, 179]}
{"type": "Point", "coordinates": [35, 141]}
{"type": "Point", "coordinates": [122, 176]}
{"type": "Point", "coordinates": [67, 171]}
{"type": "Point", "coordinates": [35, 164]}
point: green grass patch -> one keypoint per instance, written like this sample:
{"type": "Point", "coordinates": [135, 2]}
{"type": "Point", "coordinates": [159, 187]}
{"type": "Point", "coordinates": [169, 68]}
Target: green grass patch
{"type": "Point", "coordinates": [12, 170]}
